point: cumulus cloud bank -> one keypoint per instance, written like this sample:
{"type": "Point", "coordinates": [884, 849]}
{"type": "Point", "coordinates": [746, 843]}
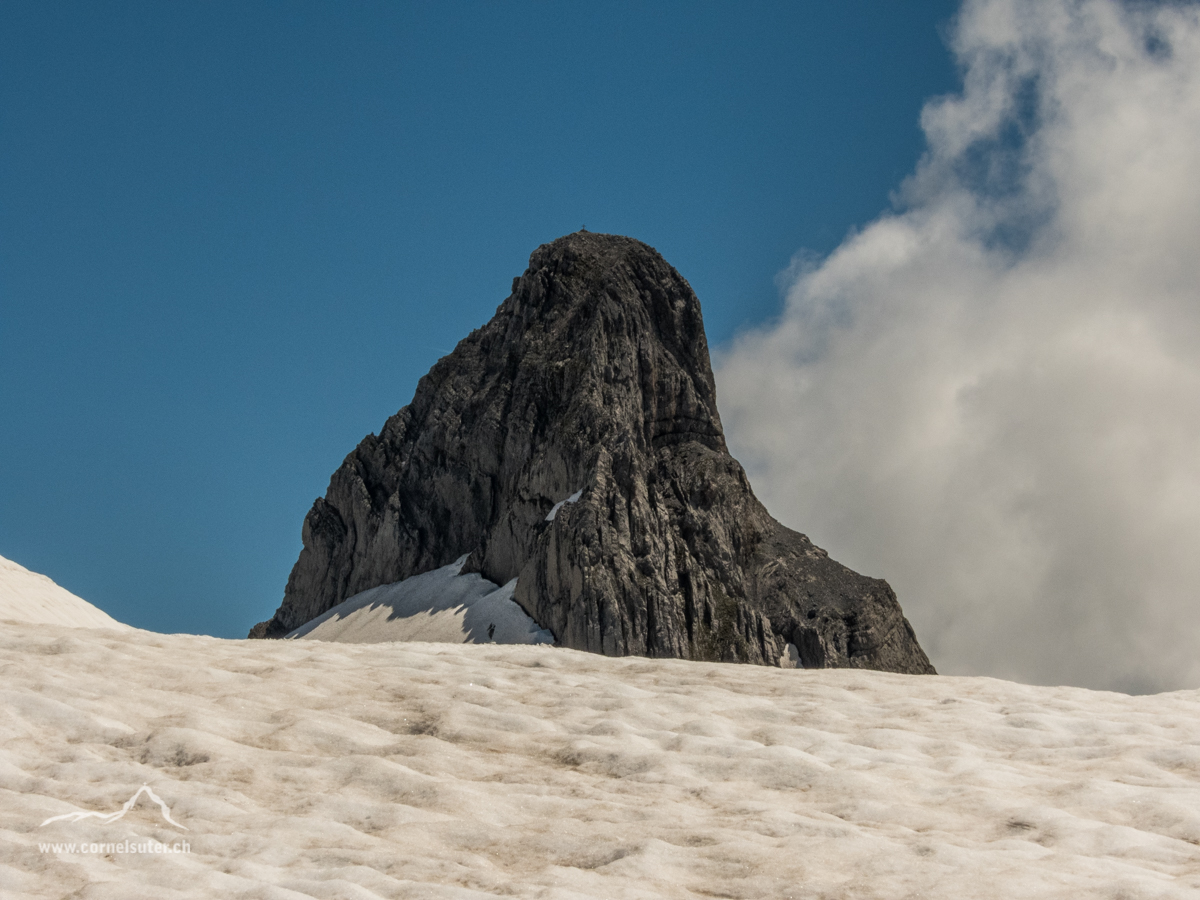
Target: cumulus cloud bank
{"type": "Point", "coordinates": [991, 395]}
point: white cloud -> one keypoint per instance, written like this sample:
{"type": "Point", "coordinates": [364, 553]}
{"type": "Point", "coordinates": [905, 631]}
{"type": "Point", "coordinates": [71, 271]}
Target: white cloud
{"type": "Point", "coordinates": [991, 397]}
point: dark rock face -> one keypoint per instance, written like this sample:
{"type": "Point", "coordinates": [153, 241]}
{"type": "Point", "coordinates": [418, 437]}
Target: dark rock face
{"type": "Point", "coordinates": [593, 376]}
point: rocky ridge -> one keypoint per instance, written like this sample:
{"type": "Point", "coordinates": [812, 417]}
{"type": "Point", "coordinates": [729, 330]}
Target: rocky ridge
{"type": "Point", "coordinates": [593, 379]}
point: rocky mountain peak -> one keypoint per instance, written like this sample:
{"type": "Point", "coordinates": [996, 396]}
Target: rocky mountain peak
{"type": "Point", "coordinates": [591, 384]}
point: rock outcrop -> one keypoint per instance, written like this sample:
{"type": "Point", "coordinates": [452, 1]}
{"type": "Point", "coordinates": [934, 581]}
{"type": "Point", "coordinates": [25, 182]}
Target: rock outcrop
{"type": "Point", "coordinates": [592, 383]}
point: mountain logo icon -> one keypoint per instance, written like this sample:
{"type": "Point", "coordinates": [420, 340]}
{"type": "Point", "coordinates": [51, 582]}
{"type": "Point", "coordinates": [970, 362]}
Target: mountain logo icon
{"type": "Point", "coordinates": [109, 818]}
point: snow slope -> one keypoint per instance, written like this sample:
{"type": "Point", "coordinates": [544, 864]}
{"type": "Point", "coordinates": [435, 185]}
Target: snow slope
{"type": "Point", "coordinates": [441, 605]}
{"type": "Point", "coordinates": [355, 771]}
{"type": "Point", "coordinates": [29, 597]}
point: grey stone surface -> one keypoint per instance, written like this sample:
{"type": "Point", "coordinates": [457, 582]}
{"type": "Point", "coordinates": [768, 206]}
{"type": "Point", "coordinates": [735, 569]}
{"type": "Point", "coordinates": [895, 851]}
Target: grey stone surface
{"type": "Point", "coordinates": [593, 376]}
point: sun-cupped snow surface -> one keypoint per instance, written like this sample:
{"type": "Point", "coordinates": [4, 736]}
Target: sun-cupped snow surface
{"type": "Point", "coordinates": [574, 498]}
{"type": "Point", "coordinates": [441, 605]}
{"type": "Point", "coordinates": [26, 596]}
{"type": "Point", "coordinates": [326, 770]}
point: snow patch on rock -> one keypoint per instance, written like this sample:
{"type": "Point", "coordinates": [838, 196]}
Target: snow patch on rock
{"type": "Point", "coordinates": [574, 498]}
{"type": "Point", "coordinates": [439, 606]}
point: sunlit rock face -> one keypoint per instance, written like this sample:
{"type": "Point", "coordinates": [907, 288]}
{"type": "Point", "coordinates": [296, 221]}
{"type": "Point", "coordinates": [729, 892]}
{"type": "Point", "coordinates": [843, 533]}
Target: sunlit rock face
{"type": "Point", "coordinates": [574, 443]}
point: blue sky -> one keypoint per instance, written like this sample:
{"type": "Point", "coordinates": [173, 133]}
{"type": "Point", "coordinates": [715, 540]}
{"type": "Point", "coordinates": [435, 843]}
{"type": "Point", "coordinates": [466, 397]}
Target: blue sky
{"type": "Point", "coordinates": [233, 236]}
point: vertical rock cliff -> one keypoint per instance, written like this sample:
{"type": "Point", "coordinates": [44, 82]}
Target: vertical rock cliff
{"type": "Point", "coordinates": [573, 442]}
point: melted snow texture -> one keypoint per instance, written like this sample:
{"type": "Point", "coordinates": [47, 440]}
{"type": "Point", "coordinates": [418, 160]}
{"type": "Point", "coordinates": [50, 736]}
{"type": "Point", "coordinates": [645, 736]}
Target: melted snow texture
{"type": "Point", "coordinates": [29, 597]}
{"type": "Point", "coordinates": [310, 769]}
{"type": "Point", "coordinates": [441, 605]}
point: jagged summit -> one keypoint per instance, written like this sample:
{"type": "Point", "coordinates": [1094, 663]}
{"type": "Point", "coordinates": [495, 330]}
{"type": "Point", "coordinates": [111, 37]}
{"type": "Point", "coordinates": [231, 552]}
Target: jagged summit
{"type": "Point", "coordinates": [592, 382]}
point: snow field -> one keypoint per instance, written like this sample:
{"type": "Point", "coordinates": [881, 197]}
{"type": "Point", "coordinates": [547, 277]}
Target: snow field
{"type": "Point", "coordinates": [340, 770]}
{"type": "Point", "coordinates": [26, 596]}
